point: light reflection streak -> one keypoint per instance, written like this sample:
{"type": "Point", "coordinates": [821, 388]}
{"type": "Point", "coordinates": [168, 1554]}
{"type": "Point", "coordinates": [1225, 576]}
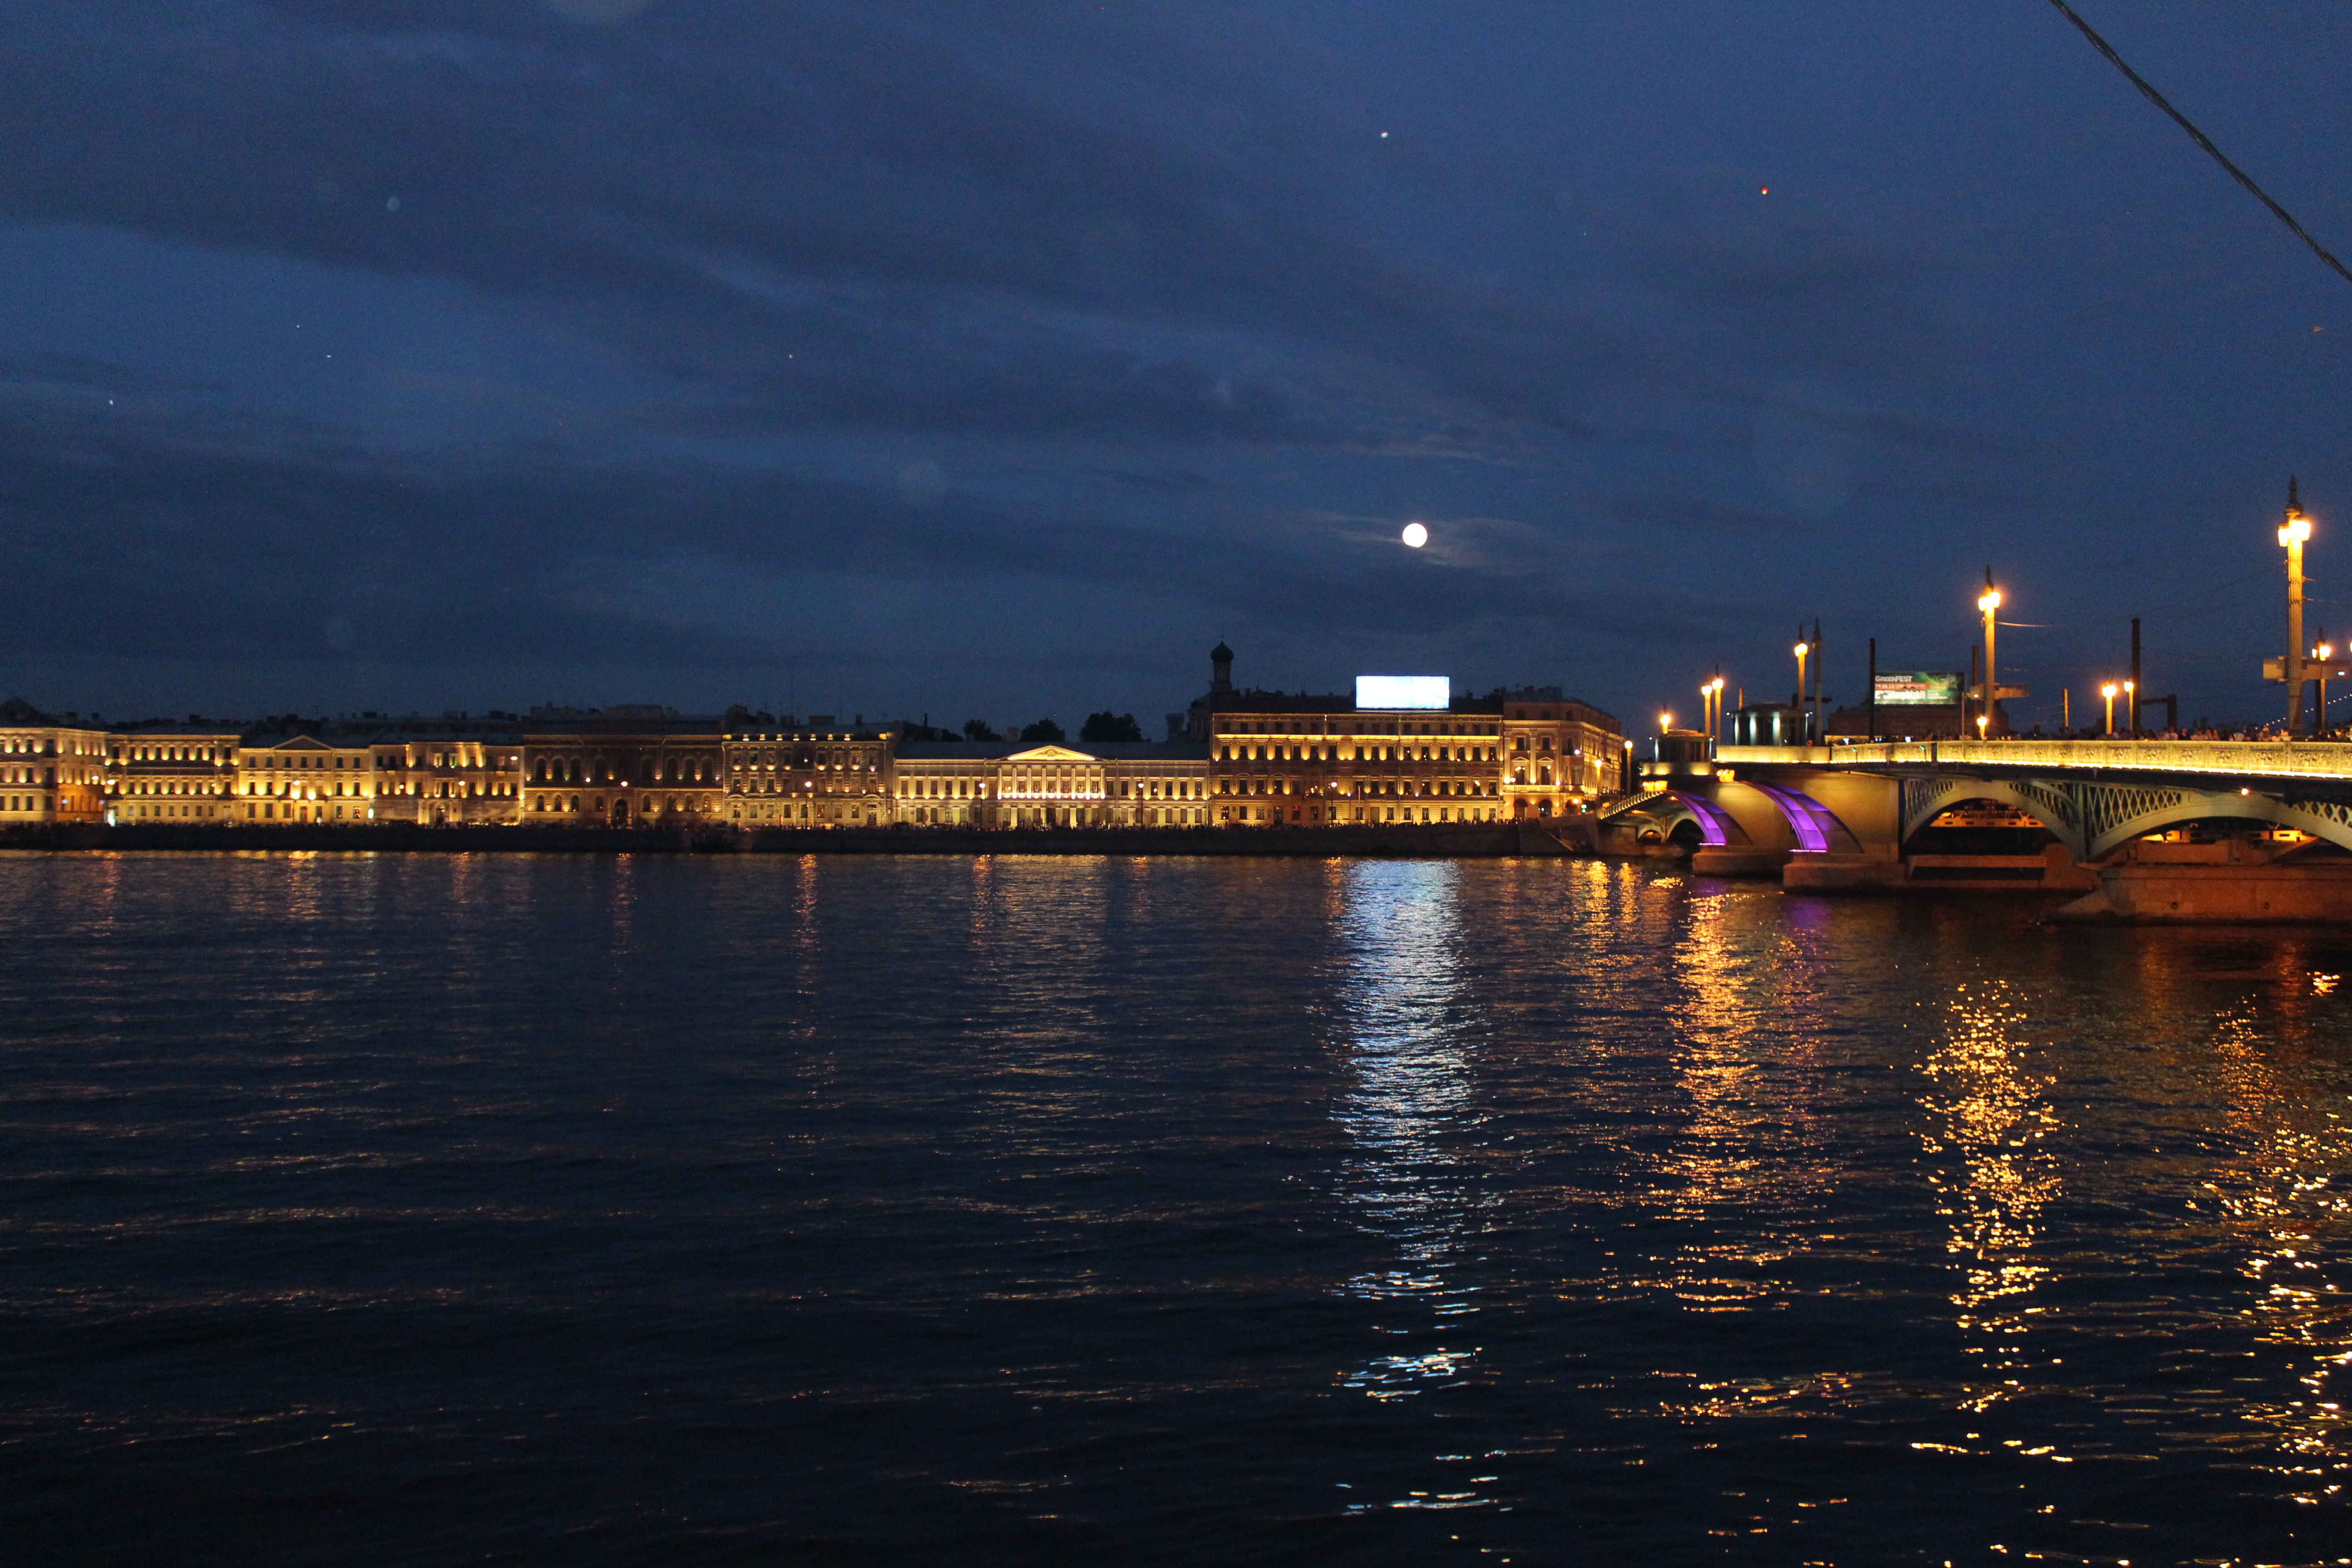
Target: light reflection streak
{"type": "Point", "coordinates": [1746, 1161]}
{"type": "Point", "coordinates": [1991, 1116]}
{"type": "Point", "coordinates": [2276, 1197]}
{"type": "Point", "coordinates": [1408, 1101]}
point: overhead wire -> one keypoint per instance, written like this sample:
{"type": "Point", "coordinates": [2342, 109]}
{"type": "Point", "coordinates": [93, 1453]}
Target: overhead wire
{"type": "Point", "coordinates": [2235, 173]}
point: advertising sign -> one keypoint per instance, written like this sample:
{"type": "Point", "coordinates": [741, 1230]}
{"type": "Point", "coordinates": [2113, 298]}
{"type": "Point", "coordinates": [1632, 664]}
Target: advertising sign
{"type": "Point", "coordinates": [1919, 688]}
{"type": "Point", "coordinates": [1404, 691]}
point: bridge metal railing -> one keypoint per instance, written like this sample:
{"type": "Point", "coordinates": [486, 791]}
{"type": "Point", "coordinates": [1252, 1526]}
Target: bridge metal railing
{"type": "Point", "coordinates": [2240, 759]}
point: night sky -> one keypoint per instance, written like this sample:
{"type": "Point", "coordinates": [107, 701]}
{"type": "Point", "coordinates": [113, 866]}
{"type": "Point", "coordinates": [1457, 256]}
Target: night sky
{"type": "Point", "coordinates": [998, 359]}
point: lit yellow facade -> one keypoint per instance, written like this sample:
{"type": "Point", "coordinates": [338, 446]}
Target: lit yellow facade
{"type": "Point", "coordinates": [825, 775]}
{"type": "Point", "coordinates": [1313, 769]}
{"type": "Point", "coordinates": [946, 790]}
{"type": "Point", "coordinates": [448, 781]}
{"type": "Point", "coordinates": [1054, 785]}
{"type": "Point", "coordinates": [178, 773]}
{"type": "Point", "coordinates": [1560, 755]}
{"type": "Point", "coordinates": [52, 773]}
{"type": "Point", "coordinates": [304, 779]}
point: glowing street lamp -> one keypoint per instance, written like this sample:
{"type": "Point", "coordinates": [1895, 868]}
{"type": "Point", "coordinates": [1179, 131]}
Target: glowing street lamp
{"type": "Point", "coordinates": [1803, 649]}
{"type": "Point", "coordinates": [1988, 602]}
{"type": "Point", "coordinates": [2295, 532]}
{"type": "Point", "coordinates": [2327, 651]}
{"type": "Point", "coordinates": [2108, 691]}
{"type": "Point", "coordinates": [2131, 708]}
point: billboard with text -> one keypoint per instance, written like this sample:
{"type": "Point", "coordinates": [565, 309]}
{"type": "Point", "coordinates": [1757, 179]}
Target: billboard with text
{"type": "Point", "coordinates": [1918, 688]}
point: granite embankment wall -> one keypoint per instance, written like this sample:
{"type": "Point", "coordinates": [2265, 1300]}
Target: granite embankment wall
{"type": "Point", "coordinates": [1465, 841]}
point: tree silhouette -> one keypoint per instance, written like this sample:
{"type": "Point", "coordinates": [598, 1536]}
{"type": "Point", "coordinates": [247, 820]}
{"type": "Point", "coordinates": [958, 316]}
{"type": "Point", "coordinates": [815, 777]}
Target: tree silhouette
{"type": "Point", "coordinates": [1109, 726]}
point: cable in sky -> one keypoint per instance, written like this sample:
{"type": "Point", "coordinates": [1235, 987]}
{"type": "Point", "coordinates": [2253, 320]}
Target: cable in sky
{"type": "Point", "coordinates": [2203, 140]}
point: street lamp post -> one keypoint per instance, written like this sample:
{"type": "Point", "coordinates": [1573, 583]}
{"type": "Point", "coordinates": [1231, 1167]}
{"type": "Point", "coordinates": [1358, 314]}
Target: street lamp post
{"type": "Point", "coordinates": [2131, 708]}
{"type": "Point", "coordinates": [1803, 648]}
{"type": "Point", "coordinates": [2327, 651]}
{"type": "Point", "coordinates": [2108, 691]}
{"type": "Point", "coordinates": [2295, 530]}
{"type": "Point", "coordinates": [1988, 602]}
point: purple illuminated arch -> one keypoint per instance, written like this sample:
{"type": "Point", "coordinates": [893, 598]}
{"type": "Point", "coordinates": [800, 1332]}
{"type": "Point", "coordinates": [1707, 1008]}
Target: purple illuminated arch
{"type": "Point", "coordinates": [1808, 818]}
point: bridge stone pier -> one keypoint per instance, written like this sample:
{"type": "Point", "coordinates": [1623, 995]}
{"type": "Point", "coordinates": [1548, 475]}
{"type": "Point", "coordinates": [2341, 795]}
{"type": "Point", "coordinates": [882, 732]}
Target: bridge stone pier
{"type": "Point", "coordinates": [2145, 830]}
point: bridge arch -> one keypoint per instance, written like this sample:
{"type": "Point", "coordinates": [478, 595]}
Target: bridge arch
{"type": "Point", "coordinates": [1816, 829]}
{"type": "Point", "coordinates": [2120, 824]}
{"type": "Point", "coordinates": [1925, 800]}
{"type": "Point", "coordinates": [1742, 814]}
{"type": "Point", "coordinates": [2095, 819]}
{"type": "Point", "coordinates": [1677, 816]}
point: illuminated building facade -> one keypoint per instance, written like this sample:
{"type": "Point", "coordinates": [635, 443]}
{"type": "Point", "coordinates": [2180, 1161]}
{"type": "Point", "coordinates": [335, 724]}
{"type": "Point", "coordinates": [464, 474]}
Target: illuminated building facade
{"type": "Point", "coordinates": [945, 784]}
{"type": "Point", "coordinates": [1339, 761]}
{"type": "Point", "coordinates": [1558, 754]}
{"type": "Point", "coordinates": [620, 767]}
{"type": "Point", "coordinates": [1158, 786]}
{"type": "Point", "coordinates": [302, 778]}
{"type": "Point", "coordinates": [1323, 762]}
{"type": "Point", "coordinates": [777, 772]}
{"type": "Point", "coordinates": [171, 773]}
{"type": "Point", "coordinates": [1018, 785]}
{"type": "Point", "coordinates": [454, 779]}
{"type": "Point", "coordinates": [50, 770]}
{"type": "Point", "coordinates": [1402, 750]}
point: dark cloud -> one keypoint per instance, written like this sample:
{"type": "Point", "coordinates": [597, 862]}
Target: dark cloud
{"type": "Point", "coordinates": [489, 339]}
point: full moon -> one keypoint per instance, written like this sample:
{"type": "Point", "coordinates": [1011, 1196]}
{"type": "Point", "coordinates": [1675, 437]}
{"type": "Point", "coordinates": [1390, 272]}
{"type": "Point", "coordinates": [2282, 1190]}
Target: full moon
{"type": "Point", "coordinates": [1415, 535]}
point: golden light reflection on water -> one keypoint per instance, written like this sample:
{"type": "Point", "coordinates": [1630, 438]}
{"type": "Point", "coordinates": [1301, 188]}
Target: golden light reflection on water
{"type": "Point", "coordinates": [1746, 1166]}
{"type": "Point", "coordinates": [1989, 1118]}
{"type": "Point", "coordinates": [2276, 1197]}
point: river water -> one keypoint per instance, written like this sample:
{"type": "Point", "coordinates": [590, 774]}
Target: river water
{"type": "Point", "coordinates": [926, 1210]}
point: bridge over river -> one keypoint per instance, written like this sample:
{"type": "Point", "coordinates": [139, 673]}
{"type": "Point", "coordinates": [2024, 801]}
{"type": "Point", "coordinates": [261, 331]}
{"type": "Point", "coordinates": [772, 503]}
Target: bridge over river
{"type": "Point", "coordinates": [2145, 830]}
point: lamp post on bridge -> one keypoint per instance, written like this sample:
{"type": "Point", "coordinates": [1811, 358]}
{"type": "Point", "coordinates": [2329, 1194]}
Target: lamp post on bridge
{"type": "Point", "coordinates": [2131, 708]}
{"type": "Point", "coordinates": [2327, 650]}
{"type": "Point", "coordinates": [2108, 691]}
{"type": "Point", "coordinates": [2295, 530]}
{"type": "Point", "coordinates": [1989, 603]}
{"type": "Point", "coordinates": [1804, 649]}
{"type": "Point", "coordinates": [1710, 701]}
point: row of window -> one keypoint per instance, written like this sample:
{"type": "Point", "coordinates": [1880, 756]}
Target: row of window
{"type": "Point", "coordinates": [1359, 755]}
{"type": "Point", "coordinates": [1029, 784]}
{"type": "Point", "coordinates": [649, 805]}
{"type": "Point", "coordinates": [1356, 727]}
{"type": "Point", "coordinates": [602, 768]}
{"type": "Point", "coordinates": [842, 757]}
{"type": "Point", "coordinates": [1363, 788]}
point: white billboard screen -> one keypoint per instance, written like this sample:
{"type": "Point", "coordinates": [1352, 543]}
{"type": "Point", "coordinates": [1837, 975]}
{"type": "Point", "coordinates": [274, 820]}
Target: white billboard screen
{"type": "Point", "coordinates": [1404, 691]}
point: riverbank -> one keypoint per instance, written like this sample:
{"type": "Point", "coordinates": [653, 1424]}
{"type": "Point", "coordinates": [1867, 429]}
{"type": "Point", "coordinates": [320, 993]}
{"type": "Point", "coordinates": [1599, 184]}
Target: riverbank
{"type": "Point", "coordinates": [1429, 841]}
